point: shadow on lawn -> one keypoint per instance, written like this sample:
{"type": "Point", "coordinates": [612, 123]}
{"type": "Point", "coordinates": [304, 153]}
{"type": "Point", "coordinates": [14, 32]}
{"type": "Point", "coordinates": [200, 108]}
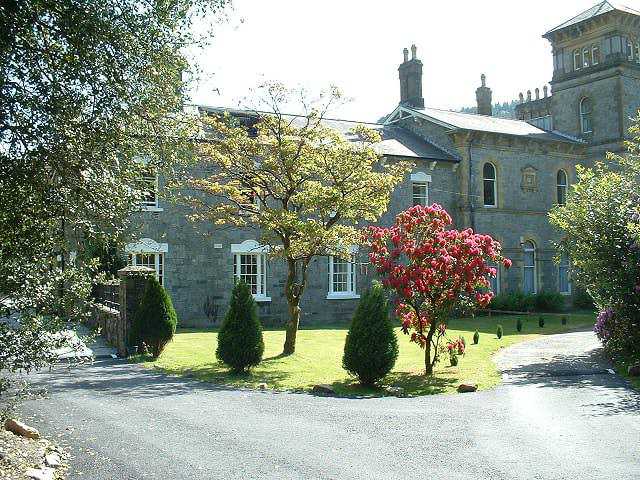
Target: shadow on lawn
{"type": "Point", "coordinates": [413, 384]}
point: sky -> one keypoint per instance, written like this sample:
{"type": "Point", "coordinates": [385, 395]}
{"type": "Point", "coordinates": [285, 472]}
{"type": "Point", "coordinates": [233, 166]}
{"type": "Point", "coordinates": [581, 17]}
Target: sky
{"type": "Point", "coordinates": [357, 46]}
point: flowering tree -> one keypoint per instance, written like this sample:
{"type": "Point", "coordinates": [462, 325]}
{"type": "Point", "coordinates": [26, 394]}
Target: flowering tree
{"type": "Point", "coordinates": [432, 270]}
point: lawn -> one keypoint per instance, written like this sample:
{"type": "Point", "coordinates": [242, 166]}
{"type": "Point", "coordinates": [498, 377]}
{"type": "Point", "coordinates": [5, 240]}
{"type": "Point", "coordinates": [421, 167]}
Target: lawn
{"type": "Point", "coordinates": [318, 357]}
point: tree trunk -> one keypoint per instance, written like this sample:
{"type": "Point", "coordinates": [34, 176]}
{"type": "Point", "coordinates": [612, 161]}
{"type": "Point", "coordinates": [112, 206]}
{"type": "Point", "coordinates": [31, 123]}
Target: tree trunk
{"type": "Point", "coordinates": [292, 326]}
{"type": "Point", "coordinates": [428, 364]}
{"type": "Point", "coordinates": [294, 290]}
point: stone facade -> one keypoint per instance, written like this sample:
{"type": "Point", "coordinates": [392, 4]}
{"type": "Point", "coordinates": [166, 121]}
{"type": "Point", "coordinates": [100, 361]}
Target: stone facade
{"type": "Point", "coordinates": [528, 157]}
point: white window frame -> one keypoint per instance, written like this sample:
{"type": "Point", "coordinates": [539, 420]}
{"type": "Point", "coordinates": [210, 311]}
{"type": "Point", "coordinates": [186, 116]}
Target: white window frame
{"type": "Point", "coordinates": [351, 280]}
{"type": "Point", "coordinates": [564, 266]}
{"type": "Point", "coordinates": [630, 50]}
{"type": "Point", "coordinates": [532, 249]}
{"type": "Point", "coordinates": [495, 186]}
{"type": "Point", "coordinates": [564, 186]}
{"type": "Point", "coordinates": [148, 246]}
{"type": "Point", "coordinates": [586, 57]}
{"type": "Point", "coordinates": [254, 249]}
{"type": "Point", "coordinates": [152, 178]}
{"type": "Point", "coordinates": [422, 181]}
{"type": "Point", "coordinates": [584, 114]}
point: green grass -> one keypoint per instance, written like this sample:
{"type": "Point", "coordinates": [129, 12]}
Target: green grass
{"type": "Point", "coordinates": [318, 357]}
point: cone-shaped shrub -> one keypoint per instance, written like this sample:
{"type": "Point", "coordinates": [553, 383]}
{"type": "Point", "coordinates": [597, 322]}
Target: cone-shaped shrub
{"type": "Point", "coordinates": [240, 343]}
{"type": "Point", "coordinates": [499, 331]}
{"type": "Point", "coordinates": [371, 347]}
{"type": "Point", "coordinates": [154, 322]}
{"type": "Point", "coordinates": [476, 337]}
{"type": "Point", "coordinates": [541, 322]}
{"type": "Point", "coordinates": [519, 325]}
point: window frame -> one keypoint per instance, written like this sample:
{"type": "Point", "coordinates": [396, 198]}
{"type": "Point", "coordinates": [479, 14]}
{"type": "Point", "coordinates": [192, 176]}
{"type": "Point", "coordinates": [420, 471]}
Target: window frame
{"type": "Point", "coordinates": [564, 186]}
{"type": "Point", "coordinates": [588, 115]}
{"type": "Point", "coordinates": [533, 268]}
{"type": "Point", "coordinates": [253, 249]}
{"type": "Point", "coordinates": [494, 181]}
{"type": "Point", "coordinates": [577, 59]}
{"type": "Point", "coordinates": [351, 291]}
{"type": "Point", "coordinates": [423, 180]}
{"type": "Point", "coordinates": [586, 57]}
{"type": "Point", "coordinates": [595, 59]}
{"type": "Point", "coordinates": [148, 246]}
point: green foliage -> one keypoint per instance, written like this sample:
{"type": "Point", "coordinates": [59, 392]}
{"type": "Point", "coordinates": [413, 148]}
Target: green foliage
{"type": "Point", "coordinates": [541, 322]}
{"type": "Point", "coordinates": [476, 337]}
{"type": "Point", "coordinates": [519, 325]}
{"type": "Point", "coordinates": [453, 359]}
{"type": "Point", "coordinates": [155, 320]}
{"type": "Point", "coordinates": [582, 300]}
{"type": "Point", "coordinates": [563, 321]}
{"type": "Point", "coordinates": [499, 331]}
{"type": "Point", "coordinates": [85, 88]}
{"type": "Point", "coordinates": [521, 302]}
{"type": "Point", "coordinates": [549, 302]}
{"type": "Point", "coordinates": [371, 346]}
{"type": "Point", "coordinates": [240, 343]}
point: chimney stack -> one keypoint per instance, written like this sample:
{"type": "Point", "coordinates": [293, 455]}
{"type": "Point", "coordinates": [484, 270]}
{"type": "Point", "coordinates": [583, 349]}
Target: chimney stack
{"type": "Point", "coordinates": [410, 73]}
{"type": "Point", "coordinates": [483, 97]}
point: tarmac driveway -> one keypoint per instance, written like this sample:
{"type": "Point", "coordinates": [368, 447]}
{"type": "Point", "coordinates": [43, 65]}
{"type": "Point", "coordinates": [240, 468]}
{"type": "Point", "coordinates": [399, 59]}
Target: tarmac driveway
{"type": "Point", "coordinates": [559, 415]}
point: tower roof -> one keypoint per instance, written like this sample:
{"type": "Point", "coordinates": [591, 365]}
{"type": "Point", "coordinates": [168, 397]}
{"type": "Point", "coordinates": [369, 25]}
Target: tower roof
{"type": "Point", "coordinates": [595, 11]}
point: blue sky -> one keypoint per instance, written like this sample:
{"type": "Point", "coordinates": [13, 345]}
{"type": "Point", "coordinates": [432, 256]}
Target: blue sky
{"type": "Point", "coordinates": [357, 45]}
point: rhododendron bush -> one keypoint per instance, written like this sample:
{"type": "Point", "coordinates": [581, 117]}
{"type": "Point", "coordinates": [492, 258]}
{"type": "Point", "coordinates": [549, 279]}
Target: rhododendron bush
{"type": "Point", "coordinates": [432, 270]}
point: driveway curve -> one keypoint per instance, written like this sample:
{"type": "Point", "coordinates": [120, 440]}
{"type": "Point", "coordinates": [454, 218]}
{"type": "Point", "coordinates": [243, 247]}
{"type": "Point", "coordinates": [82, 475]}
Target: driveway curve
{"type": "Point", "coordinates": [559, 415]}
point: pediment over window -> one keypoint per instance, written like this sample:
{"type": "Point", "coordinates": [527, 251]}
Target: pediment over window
{"type": "Point", "coordinates": [248, 246]}
{"type": "Point", "coordinates": [146, 245]}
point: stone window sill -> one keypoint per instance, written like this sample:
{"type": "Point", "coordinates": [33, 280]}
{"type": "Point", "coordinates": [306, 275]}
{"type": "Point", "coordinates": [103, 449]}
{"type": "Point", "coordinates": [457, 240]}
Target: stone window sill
{"type": "Point", "coordinates": [149, 208]}
{"type": "Point", "coordinates": [261, 298]}
{"type": "Point", "coordinates": [342, 296]}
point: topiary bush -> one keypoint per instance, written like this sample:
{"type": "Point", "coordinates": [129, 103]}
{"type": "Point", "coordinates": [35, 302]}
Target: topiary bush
{"type": "Point", "coordinates": [541, 322]}
{"type": "Point", "coordinates": [371, 346]}
{"type": "Point", "coordinates": [155, 320]}
{"type": "Point", "coordinates": [476, 337]}
{"type": "Point", "coordinates": [519, 325]}
{"type": "Point", "coordinates": [240, 342]}
{"type": "Point", "coordinates": [564, 320]}
{"type": "Point", "coordinates": [499, 332]}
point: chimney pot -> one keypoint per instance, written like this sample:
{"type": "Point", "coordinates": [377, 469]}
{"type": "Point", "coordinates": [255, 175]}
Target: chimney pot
{"type": "Point", "coordinates": [521, 97]}
{"type": "Point", "coordinates": [405, 52]}
{"type": "Point", "coordinates": [413, 51]}
{"type": "Point", "coordinates": [545, 89]}
{"type": "Point", "coordinates": [528, 95]}
{"type": "Point", "coordinates": [537, 94]}
{"type": "Point", "coordinates": [483, 97]}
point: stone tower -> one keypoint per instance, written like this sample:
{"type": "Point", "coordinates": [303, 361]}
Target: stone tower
{"type": "Point", "coordinates": [410, 72]}
{"type": "Point", "coordinates": [483, 97]}
{"type": "Point", "coordinates": [596, 78]}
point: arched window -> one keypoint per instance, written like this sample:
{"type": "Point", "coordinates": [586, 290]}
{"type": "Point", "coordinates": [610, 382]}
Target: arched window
{"type": "Point", "coordinates": [586, 57]}
{"type": "Point", "coordinates": [576, 60]}
{"type": "Point", "coordinates": [489, 185]}
{"type": "Point", "coordinates": [561, 187]}
{"type": "Point", "coordinates": [586, 111]}
{"type": "Point", "coordinates": [629, 50]}
{"type": "Point", "coordinates": [564, 285]}
{"type": "Point", "coordinates": [595, 55]}
{"type": "Point", "coordinates": [529, 267]}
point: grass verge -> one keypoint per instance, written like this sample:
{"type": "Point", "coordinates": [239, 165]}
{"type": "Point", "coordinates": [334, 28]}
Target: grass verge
{"type": "Point", "coordinates": [318, 357]}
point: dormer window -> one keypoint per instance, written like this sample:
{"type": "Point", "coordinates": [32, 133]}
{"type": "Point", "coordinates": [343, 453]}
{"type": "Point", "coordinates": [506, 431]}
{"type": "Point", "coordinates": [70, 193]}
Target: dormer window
{"type": "Point", "coordinates": [586, 114]}
{"type": "Point", "coordinates": [595, 55]}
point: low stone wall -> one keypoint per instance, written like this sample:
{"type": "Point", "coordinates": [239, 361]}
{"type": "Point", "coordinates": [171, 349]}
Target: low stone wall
{"type": "Point", "coordinates": [110, 325]}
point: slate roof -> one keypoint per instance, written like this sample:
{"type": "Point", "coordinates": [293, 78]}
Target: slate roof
{"type": "Point", "coordinates": [595, 11]}
{"type": "Point", "coordinates": [396, 141]}
{"type": "Point", "coordinates": [484, 123]}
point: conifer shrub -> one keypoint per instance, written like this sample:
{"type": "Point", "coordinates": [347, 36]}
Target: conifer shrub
{"type": "Point", "coordinates": [476, 337]}
{"type": "Point", "coordinates": [519, 325]}
{"type": "Point", "coordinates": [155, 320]}
{"type": "Point", "coordinates": [499, 332]}
{"type": "Point", "coordinates": [240, 342]}
{"type": "Point", "coordinates": [371, 346]}
{"type": "Point", "coordinates": [541, 322]}
{"type": "Point", "coordinates": [564, 320]}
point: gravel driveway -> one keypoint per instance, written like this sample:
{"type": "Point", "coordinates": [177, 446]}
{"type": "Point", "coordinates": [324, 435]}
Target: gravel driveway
{"type": "Point", "coordinates": [559, 415]}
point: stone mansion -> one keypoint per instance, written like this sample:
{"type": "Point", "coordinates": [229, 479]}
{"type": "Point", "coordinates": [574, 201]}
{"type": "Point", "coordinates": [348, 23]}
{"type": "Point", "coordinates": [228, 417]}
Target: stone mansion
{"type": "Point", "coordinates": [495, 175]}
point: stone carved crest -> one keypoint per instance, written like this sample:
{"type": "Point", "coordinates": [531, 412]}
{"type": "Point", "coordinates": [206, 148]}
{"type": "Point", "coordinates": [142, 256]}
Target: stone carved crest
{"type": "Point", "coordinates": [529, 179]}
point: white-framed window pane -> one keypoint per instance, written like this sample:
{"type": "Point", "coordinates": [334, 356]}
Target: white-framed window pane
{"type": "Point", "coordinates": [342, 275]}
{"type": "Point", "coordinates": [561, 187]}
{"type": "Point", "coordinates": [149, 186]}
{"type": "Point", "coordinates": [155, 261]}
{"type": "Point", "coordinates": [595, 53]}
{"type": "Point", "coordinates": [420, 194]}
{"type": "Point", "coordinates": [251, 268]}
{"type": "Point", "coordinates": [529, 262]}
